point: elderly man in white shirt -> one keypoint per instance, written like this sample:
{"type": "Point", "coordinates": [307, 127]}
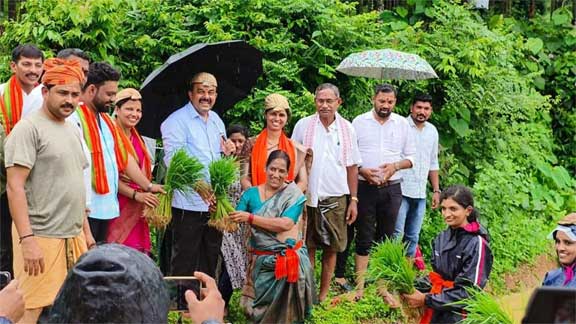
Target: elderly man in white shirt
{"type": "Point", "coordinates": [413, 206]}
{"type": "Point", "coordinates": [386, 147]}
{"type": "Point", "coordinates": [333, 177]}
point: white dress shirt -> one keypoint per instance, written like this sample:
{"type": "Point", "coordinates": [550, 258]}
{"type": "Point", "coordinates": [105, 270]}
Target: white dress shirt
{"type": "Point", "coordinates": [30, 101]}
{"type": "Point", "coordinates": [384, 143]}
{"type": "Point", "coordinates": [328, 175]}
{"type": "Point", "coordinates": [426, 159]}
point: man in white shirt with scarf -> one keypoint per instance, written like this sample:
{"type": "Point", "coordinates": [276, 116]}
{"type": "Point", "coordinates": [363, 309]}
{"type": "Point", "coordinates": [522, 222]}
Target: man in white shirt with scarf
{"type": "Point", "coordinates": [333, 182]}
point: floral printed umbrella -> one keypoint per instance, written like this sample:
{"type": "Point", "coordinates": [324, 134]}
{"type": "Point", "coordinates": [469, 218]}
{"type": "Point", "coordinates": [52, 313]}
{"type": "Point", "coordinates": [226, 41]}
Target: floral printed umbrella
{"type": "Point", "coordinates": [387, 64]}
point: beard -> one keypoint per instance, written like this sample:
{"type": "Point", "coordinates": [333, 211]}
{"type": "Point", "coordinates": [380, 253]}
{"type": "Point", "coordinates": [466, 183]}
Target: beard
{"type": "Point", "coordinates": [383, 113]}
{"type": "Point", "coordinates": [102, 106]}
{"type": "Point", "coordinates": [420, 118]}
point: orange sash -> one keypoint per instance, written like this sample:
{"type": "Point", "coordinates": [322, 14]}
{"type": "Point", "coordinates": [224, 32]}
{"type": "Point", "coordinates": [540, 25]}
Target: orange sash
{"type": "Point", "coordinates": [260, 155]}
{"type": "Point", "coordinates": [11, 103]}
{"type": "Point", "coordinates": [91, 132]}
{"type": "Point", "coordinates": [287, 263]}
{"type": "Point", "coordinates": [438, 284]}
{"type": "Point", "coordinates": [146, 163]}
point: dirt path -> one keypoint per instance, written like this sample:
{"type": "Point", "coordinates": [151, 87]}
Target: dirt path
{"type": "Point", "coordinates": [521, 284]}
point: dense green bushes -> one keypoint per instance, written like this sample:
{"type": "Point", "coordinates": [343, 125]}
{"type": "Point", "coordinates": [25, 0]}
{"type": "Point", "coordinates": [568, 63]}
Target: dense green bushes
{"type": "Point", "coordinates": [495, 125]}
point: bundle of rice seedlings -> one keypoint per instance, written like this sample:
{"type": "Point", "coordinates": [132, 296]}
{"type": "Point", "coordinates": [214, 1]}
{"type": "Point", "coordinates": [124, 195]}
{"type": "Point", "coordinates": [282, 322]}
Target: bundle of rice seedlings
{"type": "Point", "coordinates": [223, 173]}
{"type": "Point", "coordinates": [394, 275]}
{"type": "Point", "coordinates": [388, 262]}
{"type": "Point", "coordinates": [184, 174]}
{"type": "Point", "coordinates": [482, 308]}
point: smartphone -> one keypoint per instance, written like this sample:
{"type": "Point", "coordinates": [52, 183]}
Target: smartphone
{"type": "Point", "coordinates": [177, 287]}
{"type": "Point", "coordinates": [5, 279]}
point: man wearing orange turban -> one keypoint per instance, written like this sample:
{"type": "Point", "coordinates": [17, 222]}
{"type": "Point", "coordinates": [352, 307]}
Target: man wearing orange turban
{"type": "Point", "coordinates": [45, 162]}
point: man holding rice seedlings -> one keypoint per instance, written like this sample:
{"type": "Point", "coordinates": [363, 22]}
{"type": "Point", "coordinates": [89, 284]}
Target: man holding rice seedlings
{"type": "Point", "coordinates": [386, 147]}
{"type": "Point", "coordinates": [413, 207]}
{"type": "Point", "coordinates": [333, 183]}
{"type": "Point", "coordinates": [109, 158]}
{"type": "Point", "coordinates": [189, 243]}
{"type": "Point", "coordinates": [50, 229]}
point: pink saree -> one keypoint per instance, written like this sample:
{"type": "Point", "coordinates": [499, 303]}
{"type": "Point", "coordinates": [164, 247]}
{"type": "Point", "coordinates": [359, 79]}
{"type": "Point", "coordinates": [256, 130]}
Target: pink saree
{"type": "Point", "coordinates": [131, 228]}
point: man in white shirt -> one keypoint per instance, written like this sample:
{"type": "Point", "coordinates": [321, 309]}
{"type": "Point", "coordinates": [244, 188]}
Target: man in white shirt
{"type": "Point", "coordinates": [385, 148]}
{"type": "Point", "coordinates": [21, 95]}
{"type": "Point", "coordinates": [333, 176]}
{"type": "Point", "coordinates": [413, 205]}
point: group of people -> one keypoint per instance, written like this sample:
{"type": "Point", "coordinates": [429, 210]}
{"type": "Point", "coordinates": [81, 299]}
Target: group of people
{"type": "Point", "coordinates": [77, 177]}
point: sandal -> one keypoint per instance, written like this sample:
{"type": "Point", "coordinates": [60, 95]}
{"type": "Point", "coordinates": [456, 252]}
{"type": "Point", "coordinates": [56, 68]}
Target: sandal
{"type": "Point", "coordinates": [344, 287]}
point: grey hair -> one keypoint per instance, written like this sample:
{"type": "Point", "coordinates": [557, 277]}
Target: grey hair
{"type": "Point", "coordinates": [328, 86]}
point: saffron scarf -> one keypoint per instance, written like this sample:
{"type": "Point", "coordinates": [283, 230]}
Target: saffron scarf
{"type": "Point", "coordinates": [146, 162]}
{"type": "Point", "coordinates": [11, 103]}
{"type": "Point", "coordinates": [92, 135]}
{"type": "Point", "coordinates": [260, 155]}
{"type": "Point", "coordinates": [438, 284]}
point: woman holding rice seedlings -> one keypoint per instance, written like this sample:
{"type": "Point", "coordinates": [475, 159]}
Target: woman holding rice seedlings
{"type": "Point", "coordinates": [564, 236]}
{"type": "Point", "coordinates": [461, 258]}
{"type": "Point", "coordinates": [131, 228]}
{"type": "Point", "coordinates": [234, 249]}
{"type": "Point", "coordinates": [276, 113]}
{"type": "Point", "coordinates": [282, 274]}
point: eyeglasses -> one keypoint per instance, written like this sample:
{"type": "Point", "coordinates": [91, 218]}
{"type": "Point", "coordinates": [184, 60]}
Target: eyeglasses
{"type": "Point", "coordinates": [327, 101]}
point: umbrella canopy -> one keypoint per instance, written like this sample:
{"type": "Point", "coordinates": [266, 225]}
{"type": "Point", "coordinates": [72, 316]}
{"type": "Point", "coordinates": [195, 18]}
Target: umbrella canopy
{"type": "Point", "coordinates": [387, 64]}
{"type": "Point", "coordinates": [235, 64]}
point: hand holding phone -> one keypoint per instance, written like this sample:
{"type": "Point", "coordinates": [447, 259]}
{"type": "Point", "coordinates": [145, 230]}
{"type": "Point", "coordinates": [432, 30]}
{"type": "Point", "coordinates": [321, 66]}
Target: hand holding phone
{"type": "Point", "coordinates": [211, 306]}
{"type": "Point", "coordinates": [177, 287]}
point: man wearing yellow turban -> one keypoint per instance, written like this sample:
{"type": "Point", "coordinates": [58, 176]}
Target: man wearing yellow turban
{"type": "Point", "coordinates": [45, 162]}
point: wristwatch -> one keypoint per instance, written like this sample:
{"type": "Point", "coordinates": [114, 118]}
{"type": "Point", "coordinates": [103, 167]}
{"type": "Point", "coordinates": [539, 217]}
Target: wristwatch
{"type": "Point", "coordinates": [354, 198]}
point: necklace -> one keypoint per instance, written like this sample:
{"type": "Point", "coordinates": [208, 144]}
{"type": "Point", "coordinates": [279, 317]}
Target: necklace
{"type": "Point", "coordinates": [271, 145]}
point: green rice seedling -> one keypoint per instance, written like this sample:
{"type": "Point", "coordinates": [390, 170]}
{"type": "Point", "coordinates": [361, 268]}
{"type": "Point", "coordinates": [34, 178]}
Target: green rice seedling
{"type": "Point", "coordinates": [184, 173]}
{"type": "Point", "coordinates": [223, 173]}
{"type": "Point", "coordinates": [481, 308]}
{"type": "Point", "coordinates": [388, 262]}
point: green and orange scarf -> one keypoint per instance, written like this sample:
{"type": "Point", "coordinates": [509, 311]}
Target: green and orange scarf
{"type": "Point", "coordinates": [122, 146]}
{"type": "Point", "coordinates": [11, 103]}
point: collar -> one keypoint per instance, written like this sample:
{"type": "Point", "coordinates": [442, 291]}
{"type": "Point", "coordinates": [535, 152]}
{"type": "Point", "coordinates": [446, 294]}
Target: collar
{"type": "Point", "coordinates": [194, 113]}
{"type": "Point", "coordinates": [413, 124]}
{"type": "Point", "coordinates": [394, 117]}
{"type": "Point", "coordinates": [332, 127]}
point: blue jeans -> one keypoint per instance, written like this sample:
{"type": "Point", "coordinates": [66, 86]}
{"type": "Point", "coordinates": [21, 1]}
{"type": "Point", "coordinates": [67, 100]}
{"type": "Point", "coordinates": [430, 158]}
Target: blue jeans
{"type": "Point", "coordinates": [409, 222]}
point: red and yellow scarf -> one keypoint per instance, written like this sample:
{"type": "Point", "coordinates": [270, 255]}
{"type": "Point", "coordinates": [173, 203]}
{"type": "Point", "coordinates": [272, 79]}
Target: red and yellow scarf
{"type": "Point", "coordinates": [122, 146]}
{"type": "Point", "coordinates": [11, 103]}
{"type": "Point", "coordinates": [260, 155]}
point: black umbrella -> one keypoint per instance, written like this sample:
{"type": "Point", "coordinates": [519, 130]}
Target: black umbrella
{"type": "Point", "coordinates": [235, 64]}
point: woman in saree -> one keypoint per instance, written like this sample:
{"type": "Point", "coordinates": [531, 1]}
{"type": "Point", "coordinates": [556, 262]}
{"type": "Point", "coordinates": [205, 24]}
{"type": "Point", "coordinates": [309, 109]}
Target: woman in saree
{"type": "Point", "coordinates": [461, 259]}
{"type": "Point", "coordinates": [131, 228]}
{"type": "Point", "coordinates": [284, 290]}
{"type": "Point", "coordinates": [276, 114]}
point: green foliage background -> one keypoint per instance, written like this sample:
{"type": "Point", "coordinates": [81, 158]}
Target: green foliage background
{"type": "Point", "coordinates": [504, 100]}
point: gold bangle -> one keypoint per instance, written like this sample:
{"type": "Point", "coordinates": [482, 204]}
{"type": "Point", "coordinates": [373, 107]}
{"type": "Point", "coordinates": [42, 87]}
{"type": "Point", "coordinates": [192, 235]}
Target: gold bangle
{"type": "Point", "coordinates": [354, 198]}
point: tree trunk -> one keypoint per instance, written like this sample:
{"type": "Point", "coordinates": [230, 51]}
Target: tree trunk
{"type": "Point", "coordinates": [574, 12]}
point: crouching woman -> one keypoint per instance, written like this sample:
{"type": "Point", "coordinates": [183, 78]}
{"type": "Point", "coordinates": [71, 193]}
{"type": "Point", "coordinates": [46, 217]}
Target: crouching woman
{"type": "Point", "coordinates": [282, 275]}
{"type": "Point", "coordinates": [564, 236]}
{"type": "Point", "coordinates": [461, 258]}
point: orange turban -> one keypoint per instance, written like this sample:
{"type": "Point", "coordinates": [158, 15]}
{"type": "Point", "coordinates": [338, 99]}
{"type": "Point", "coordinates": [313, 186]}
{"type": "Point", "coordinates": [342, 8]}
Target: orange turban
{"type": "Point", "coordinates": [59, 72]}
